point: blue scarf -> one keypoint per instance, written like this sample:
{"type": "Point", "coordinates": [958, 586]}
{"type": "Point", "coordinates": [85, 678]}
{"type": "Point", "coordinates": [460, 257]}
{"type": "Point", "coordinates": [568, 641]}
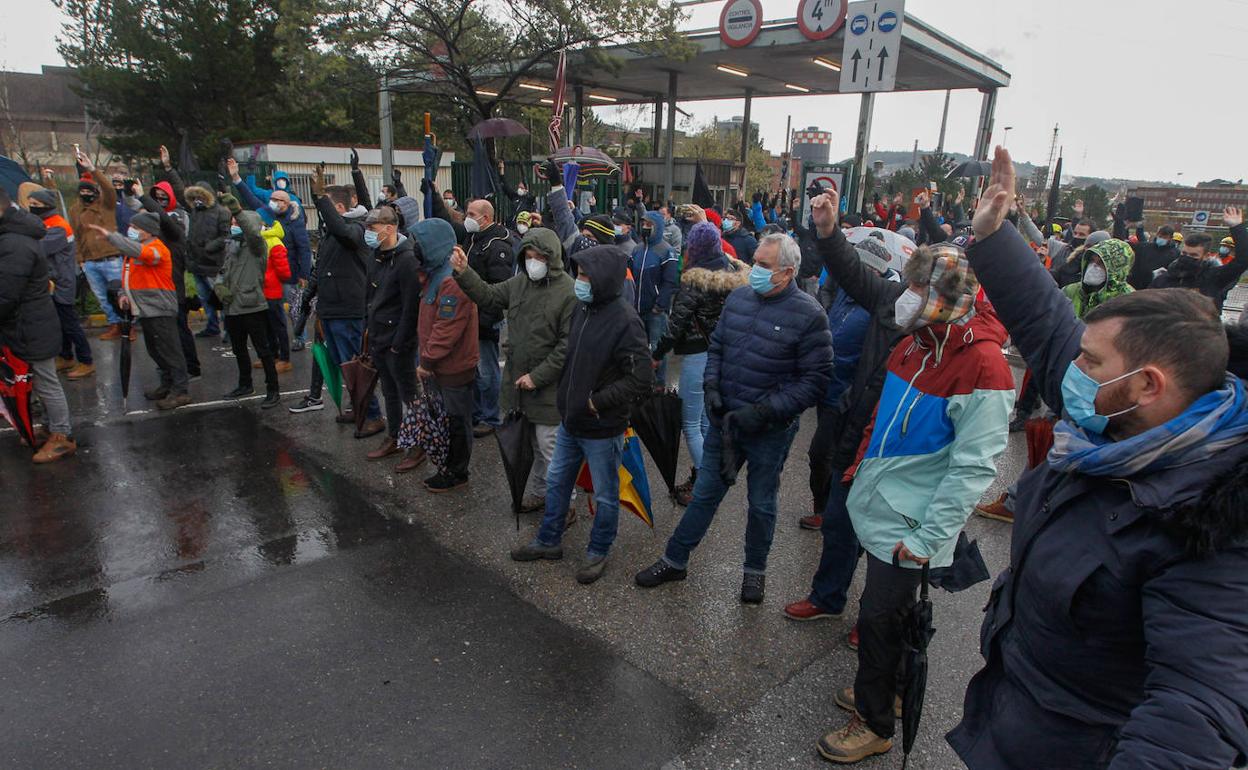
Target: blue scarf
{"type": "Point", "coordinates": [435, 276]}
{"type": "Point", "coordinates": [1214, 422]}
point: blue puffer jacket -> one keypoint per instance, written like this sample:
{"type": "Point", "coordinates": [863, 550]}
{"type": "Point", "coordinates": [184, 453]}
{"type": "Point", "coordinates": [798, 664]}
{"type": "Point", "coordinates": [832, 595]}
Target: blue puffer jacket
{"type": "Point", "coordinates": [775, 351]}
{"type": "Point", "coordinates": [294, 225]}
{"type": "Point", "coordinates": [848, 321]}
{"type": "Point", "coordinates": [656, 270]}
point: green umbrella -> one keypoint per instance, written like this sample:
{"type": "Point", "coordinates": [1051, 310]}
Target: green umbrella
{"type": "Point", "coordinates": [330, 371]}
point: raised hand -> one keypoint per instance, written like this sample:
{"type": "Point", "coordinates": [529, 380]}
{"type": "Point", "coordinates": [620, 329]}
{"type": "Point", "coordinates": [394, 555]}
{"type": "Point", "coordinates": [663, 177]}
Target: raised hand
{"type": "Point", "coordinates": [1232, 216]}
{"type": "Point", "coordinates": [995, 203]}
{"type": "Point", "coordinates": [83, 160]}
{"type": "Point", "coordinates": [355, 160]}
{"type": "Point", "coordinates": [459, 260]}
{"type": "Point", "coordinates": [923, 200]}
{"type": "Point", "coordinates": [164, 158]}
{"type": "Point", "coordinates": [823, 210]}
{"type": "Point", "coordinates": [550, 170]}
{"type": "Point", "coordinates": [318, 181]}
{"type": "Point", "coordinates": [1078, 208]}
{"type": "Point", "coordinates": [231, 167]}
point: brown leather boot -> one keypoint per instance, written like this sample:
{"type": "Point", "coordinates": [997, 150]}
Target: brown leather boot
{"type": "Point", "coordinates": [113, 332]}
{"type": "Point", "coordinates": [387, 448]}
{"type": "Point", "coordinates": [411, 461]}
{"type": "Point", "coordinates": [64, 364]}
{"type": "Point", "coordinates": [58, 445]}
{"type": "Point", "coordinates": [81, 371]}
{"type": "Point", "coordinates": [134, 333]}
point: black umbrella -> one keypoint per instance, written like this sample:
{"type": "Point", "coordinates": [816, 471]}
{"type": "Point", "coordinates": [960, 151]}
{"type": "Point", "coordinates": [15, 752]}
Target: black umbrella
{"type": "Point", "coordinates": [916, 633]}
{"type": "Point", "coordinates": [496, 128]}
{"type": "Point", "coordinates": [127, 323]}
{"type": "Point", "coordinates": [11, 175]}
{"type": "Point", "coordinates": [360, 377]}
{"type": "Point", "coordinates": [656, 419]}
{"type": "Point", "coordinates": [971, 169]}
{"type": "Point", "coordinates": [515, 444]}
{"type": "Point", "coordinates": [729, 464]}
{"type": "Point", "coordinates": [968, 567]}
{"type": "Point", "coordinates": [1054, 191]}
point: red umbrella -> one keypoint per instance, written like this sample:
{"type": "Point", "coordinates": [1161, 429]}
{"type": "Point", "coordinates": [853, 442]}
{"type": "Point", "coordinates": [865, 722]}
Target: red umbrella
{"type": "Point", "coordinates": [15, 390]}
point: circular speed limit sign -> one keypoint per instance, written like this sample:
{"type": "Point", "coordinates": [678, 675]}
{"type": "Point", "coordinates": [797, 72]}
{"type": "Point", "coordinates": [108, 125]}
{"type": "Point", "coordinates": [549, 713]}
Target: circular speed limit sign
{"type": "Point", "coordinates": [820, 19]}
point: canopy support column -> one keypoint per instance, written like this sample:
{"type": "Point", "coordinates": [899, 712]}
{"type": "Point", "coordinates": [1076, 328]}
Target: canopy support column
{"type": "Point", "coordinates": [866, 110]}
{"type": "Point", "coordinates": [669, 150]}
{"type": "Point", "coordinates": [387, 131]}
{"type": "Point", "coordinates": [745, 138]}
{"type": "Point", "coordinates": [656, 137]}
{"type": "Point", "coordinates": [987, 117]}
{"type": "Point", "coordinates": [579, 125]}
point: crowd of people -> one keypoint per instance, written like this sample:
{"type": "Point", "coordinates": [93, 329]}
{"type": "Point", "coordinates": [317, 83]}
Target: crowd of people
{"type": "Point", "coordinates": [1115, 637]}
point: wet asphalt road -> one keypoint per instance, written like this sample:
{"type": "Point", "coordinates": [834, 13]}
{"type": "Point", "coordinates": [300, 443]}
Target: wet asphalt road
{"type": "Point", "coordinates": [222, 587]}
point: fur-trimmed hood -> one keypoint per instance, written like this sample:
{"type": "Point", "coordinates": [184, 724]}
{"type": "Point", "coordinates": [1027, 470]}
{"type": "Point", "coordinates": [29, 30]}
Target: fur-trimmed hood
{"type": "Point", "coordinates": [200, 193]}
{"type": "Point", "coordinates": [718, 281]}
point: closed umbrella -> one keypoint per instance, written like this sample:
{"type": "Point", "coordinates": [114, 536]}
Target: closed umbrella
{"type": "Point", "coordinates": [515, 445]}
{"type": "Point", "coordinates": [432, 157]}
{"type": "Point", "coordinates": [15, 390]}
{"type": "Point", "coordinates": [427, 427]}
{"type": "Point", "coordinates": [360, 378]}
{"type": "Point", "coordinates": [657, 421]}
{"type": "Point", "coordinates": [484, 182]}
{"type": "Point", "coordinates": [329, 372]}
{"type": "Point", "coordinates": [916, 633]}
{"type": "Point", "coordinates": [1054, 191]}
{"type": "Point", "coordinates": [124, 356]}
{"type": "Point", "coordinates": [634, 481]}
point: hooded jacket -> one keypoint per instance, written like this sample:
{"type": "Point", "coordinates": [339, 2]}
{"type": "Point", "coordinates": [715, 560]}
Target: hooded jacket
{"type": "Point", "coordinates": [1207, 276]}
{"type": "Point", "coordinates": [341, 273]}
{"type": "Point", "coordinates": [209, 231]}
{"type": "Point", "coordinates": [695, 312]}
{"type": "Point", "coordinates": [241, 290]}
{"type": "Point", "coordinates": [1149, 258]}
{"type": "Point", "coordinates": [608, 359]}
{"type": "Point", "coordinates": [539, 316]}
{"type": "Point", "coordinates": [772, 351]}
{"type": "Point", "coordinates": [656, 270]}
{"type": "Point", "coordinates": [58, 248]}
{"type": "Point", "coordinates": [1116, 256]}
{"type": "Point", "coordinates": [28, 321]}
{"type": "Point", "coordinates": [91, 245]}
{"type": "Point", "coordinates": [1110, 641]}
{"type": "Point", "coordinates": [263, 195]}
{"type": "Point", "coordinates": [174, 226]}
{"type": "Point", "coordinates": [490, 255]}
{"type": "Point", "coordinates": [294, 224]}
{"type": "Point", "coordinates": [392, 295]}
{"type": "Point", "coordinates": [277, 267]}
{"type": "Point", "coordinates": [449, 346]}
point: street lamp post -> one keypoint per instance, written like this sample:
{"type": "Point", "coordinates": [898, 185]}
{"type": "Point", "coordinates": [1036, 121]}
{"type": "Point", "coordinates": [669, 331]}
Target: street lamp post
{"type": "Point", "coordinates": [1006, 135]}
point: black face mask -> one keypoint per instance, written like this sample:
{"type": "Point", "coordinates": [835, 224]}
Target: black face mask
{"type": "Point", "coordinates": [200, 206]}
{"type": "Point", "coordinates": [647, 233]}
{"type": "Point", "coordinates": [41, 211]}
{"type": "Point", "coordinates": [1076, 242]}
{"type": "Point", "coordinates": [87, 199]}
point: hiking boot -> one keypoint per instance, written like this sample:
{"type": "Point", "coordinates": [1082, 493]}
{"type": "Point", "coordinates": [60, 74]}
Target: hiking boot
{"type": "Point", "coordinates": [752, 586]}
{"type": "Point", "coordinates": [370, 428]}
{"type": "Point", "coordinates": [57, 446]}
{"type": "Point", "coordinates": [535, 551]}
{"type": "Point", "coordinates": [387, 448]}
{"type": "Point", "coordinates": [271, 399]}
{"type": "Point", "coordinates": [591, 569]}
{"type": "Point", "coordinates": [65, 364]}
{"type": "Point", "coordinates": [996, 510]}
{"type": "Point", "coordinates": [482, 430]}
{"type": "Point", "coordinates": [845, 699]}
{"type": "Point", "coordinates": [285, 367]}
{"type": "Point", "coordinates": [852, 638]}
{"type": "Point", "coordinates": [113, 332]}
{"type": "Point", "coordinates": [156, 394]}
{"type": "Point", "coordinates": [80, 372]}
{"type": "Point", "coordinates": [307, 404]}
{"type": "Point", "coordinates": [659, 573]}
{"type": "Point", "coordinates": [684, 493]}
{"type": "Point", "coordinates": [173, 401]}
{"type": "Point", "coordinates": [411, 461]}
{"type": "Point", "coordinates": [808, 610]}
{"type": "Point", "coordinates": [240, 392]}
{"type": "Point", "coordinates": [813, 521]}
{"type": "Point", "coordinates": [346, 418]}
{"type": "Point", "coordinates": [444, 482]}
{"type": "Point", "coordinates": [134, 333]}
{"type": "Point", "coordinates": [852, 743]}
{"type": "Point", "coordinates": [532, 504]}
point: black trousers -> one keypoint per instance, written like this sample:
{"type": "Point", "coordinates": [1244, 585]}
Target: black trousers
{"type": "Point", "coordinates": [396, 374]}
{"type": "Point", "coordinates": [160, 336]}
{"type": "Point", "coordinates": [827, 433]}
{"type": "Point", "coordinates": [256, 327]}
{"type": "Point", "coordinates": [187, 341]}
{"type": "Point", "coordinates": [279, 341]}
{"type": "Point", "coordinates": [459, 404]}
{"type": "Point", "coordinates": [889, 592]}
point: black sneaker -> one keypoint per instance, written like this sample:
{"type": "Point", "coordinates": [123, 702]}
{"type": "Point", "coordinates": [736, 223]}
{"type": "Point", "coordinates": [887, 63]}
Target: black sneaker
{"type": "Point", "coordinates": [439, 482]}
{"type": "Point", "coordinates": [271, 399]}
{"type": "Point", "coordinates": [752, 587]}
{"type": "Point", "coordinates": [308, 404]}
{"type": "Point", "coordinates": [659, 573]}
{"type": "Point", "coordinates": [240, 392]}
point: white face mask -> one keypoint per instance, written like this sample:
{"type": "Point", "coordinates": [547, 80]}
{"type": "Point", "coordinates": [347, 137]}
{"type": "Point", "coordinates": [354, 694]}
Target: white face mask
{"type": "Point", "coordinates": [522, 229]}
{"type": "Point", "coordinates": [907, 307]}
{"type": "Point", "coordinates": [472, 225]}
{"type": "Point", "coordinates": [1094, 276]}
{"type": "Point", "coordinates": [536, 269]}
{"type": "Point", "coordinates": [132, 234]}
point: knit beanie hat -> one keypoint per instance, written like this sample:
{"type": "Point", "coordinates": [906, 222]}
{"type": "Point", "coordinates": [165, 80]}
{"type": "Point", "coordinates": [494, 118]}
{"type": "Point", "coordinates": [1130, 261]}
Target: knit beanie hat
{"type": "Point", "coordinates": [601, 227]}
{"type": "Point", "coordinates": [873, 254]}
{"type": "Point", "coordinates": [46, 199]}
{"type": "Point", "coordinates": [230, 202]}
{"type": "Point", "coordinates": [704, 244]}
{"type": "Point", "coordinates": [88, 184]}
{"type": "Point", "coordinates": [147, 222]}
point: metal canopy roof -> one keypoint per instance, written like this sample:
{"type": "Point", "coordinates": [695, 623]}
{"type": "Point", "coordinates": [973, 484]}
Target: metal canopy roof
{"type": "Point", "coordinates": [781, 56]}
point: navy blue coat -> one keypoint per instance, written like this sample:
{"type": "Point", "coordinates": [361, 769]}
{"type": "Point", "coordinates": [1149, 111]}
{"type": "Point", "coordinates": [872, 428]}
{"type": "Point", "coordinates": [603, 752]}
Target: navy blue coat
{"type": "Point", "coordinates": [656, 271]}
{"type": "Point", "coordinates": [775, 351]}
{"type": "Point", "coordinates": [1107, 643]}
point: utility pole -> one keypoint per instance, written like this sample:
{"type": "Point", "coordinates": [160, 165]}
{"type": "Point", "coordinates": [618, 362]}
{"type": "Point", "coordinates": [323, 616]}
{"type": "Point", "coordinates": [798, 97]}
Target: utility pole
{"type": "Point", "coordinates": [944, 121]}
{"type": "Point", "coordinates": [788, 133]}
{"type": "Point", "coordinates": [914, 159]}
{"type": "Point", "coordinates": [1052, 154]}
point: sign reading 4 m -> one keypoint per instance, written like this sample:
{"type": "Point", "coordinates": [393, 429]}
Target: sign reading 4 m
{"type": "Point", "coordinates": [820, 19]}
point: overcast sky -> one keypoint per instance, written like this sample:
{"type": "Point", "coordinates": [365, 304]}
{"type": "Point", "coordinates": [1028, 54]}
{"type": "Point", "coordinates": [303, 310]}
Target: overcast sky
{"type": "Point", "coordinates": [1142, 89]}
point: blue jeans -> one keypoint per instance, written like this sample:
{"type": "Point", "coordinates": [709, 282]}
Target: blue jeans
{"type": "Point", "coordinates": [99, 272]}
{"type": "Point", "coordinates": [203, 287]}
{"type": "Point", "coordinates": [692, 404]}
{"type": "Point", "coordinates": [603, 457]}
{"type": "Point", "coordinates": [765, 454]}
{"type": "Point", "coordinates": [839, 559]}
{"type": "Point", "coordinates": [343, 338]}
{"type": "Point", "coordinates": [656, 327]}
{"type": "Point", "coordinates": [489, 382]}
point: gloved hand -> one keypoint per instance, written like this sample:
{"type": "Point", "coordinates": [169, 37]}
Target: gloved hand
{"type": "Point", "coordinates": [551, 171]}
{"type": "Point", "coordinates": [714, 401]}
{"type": "Point", "coordinates": [355, 160]}
{"type": "Point", "coordinates": [426, 186]}
{"type": "Point", "coordinates": [754, 418]}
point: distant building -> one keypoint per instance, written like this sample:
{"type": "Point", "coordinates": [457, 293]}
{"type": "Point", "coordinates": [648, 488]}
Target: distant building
{"type": "Point", "coordinates": [41, 119]}
{"type": "Point", "coordinates": [812, 145]}
{"type": "Point", "coordinates": [733, 126]}
{"type": "Point", "coordinates": [1175, 205]}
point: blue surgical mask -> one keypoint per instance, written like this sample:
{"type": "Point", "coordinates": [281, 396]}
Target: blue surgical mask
{"type": "Point", "coordinates": [619, 230]}
{"type": "Point", "coordinates": [275, 207]}
{"type": "Point", "coordinates": [372, 239]}
{"type": "Point", "coordinates": [729, 225]}
{"type": "Point", "coordinates": [760, 279]}
{"type": "Point", "coordinates": [1224, 250]}
{"type": "Point", "coordinates": [1079, 398]}
{"type": "Point", "coordinates": [584, 292]}
{"type": "Point", "coordinates": [1161, 242]}
{"type": "Point", "coordinates": [235, 231]}
{"type": "Point", "coordinates": [132, 234]}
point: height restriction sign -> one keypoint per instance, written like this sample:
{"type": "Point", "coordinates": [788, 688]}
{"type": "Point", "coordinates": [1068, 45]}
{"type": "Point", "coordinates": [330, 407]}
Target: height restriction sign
{"type": "Point", "coordinates": [820, 19]}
